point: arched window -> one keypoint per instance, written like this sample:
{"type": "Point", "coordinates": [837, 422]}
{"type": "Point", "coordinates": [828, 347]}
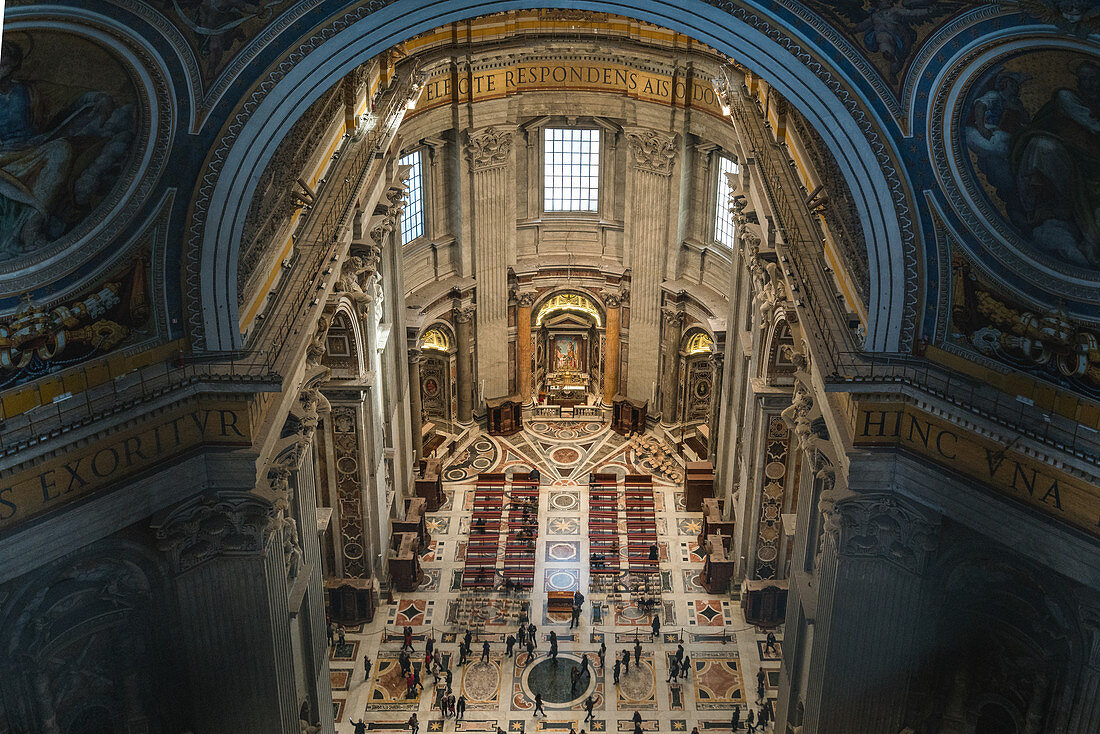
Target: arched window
{"type": "Point", "coordinates": [435, 339]}
{"type": "Point", "coordinates": [698, 342]}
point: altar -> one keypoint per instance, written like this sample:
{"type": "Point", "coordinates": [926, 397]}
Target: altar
{"type": "Point", "coordinates": [567, 388]}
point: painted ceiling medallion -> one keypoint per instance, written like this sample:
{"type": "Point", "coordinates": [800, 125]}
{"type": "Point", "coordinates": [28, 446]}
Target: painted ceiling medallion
{"type": "Point", "coordinates": [79, 128]}
{"type": "Point", "coordinates": [1023, 161]}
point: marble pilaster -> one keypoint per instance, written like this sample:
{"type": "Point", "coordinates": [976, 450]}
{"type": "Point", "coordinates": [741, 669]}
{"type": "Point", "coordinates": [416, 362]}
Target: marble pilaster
{"type": "Point", "coordinates": [670, 351]}
{"type": "Point", "coordinates": [524, 344]}
{"type": "Point", "coordinates": [464, 361]}
{"type": "Point", "coordinates": [653, 156]}
{"type": "Point", "coordinates": [416, 411]}
{"type": "Point", "coordinates": [612, 301]}
{"type": "Point", "coordinates": [493, 191]}
{"type": "Point", "coordinates": [231, 594]}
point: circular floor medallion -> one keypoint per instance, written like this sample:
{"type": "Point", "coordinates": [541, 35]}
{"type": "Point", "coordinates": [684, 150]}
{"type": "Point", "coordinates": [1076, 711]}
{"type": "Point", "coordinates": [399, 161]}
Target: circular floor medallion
{"type": "Point", "coordinates": [565, 456]}
{"type": "Point", "coordinates": [551, 678]}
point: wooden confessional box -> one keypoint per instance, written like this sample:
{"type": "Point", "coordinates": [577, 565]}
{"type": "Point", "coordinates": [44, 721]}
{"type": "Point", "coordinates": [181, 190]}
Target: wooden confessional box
{"type": "Point", "coordinates": [628, 416]}
{"type": "Point", "coordinates": [429, 484]}
{"type": "Point", "coordinates": [350, 601]}
{"type": "Point", "coordinates": [764, 602]}
{"type": "Point", "coordinates": [504, 415]}
{"type": "Point", "coordinates": [404, 562]}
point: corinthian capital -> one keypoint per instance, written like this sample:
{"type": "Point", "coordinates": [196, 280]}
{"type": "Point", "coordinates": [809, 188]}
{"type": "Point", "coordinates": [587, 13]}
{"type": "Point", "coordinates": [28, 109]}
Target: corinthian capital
{"type": "Point", "coordinates": [488, 147]}
{"type": "Point", "coordinates": [464, 314]}
{"type": "Point", "coordinates": [215, 525]}
{"type": "Point", "coordinates": [612, 299]}
{"type": "Point", "coordinates": [882, 526]}
{"type": "Point", "coordinates": [652, 150]}
{"type": "Point", "coordinates": [525, 299]}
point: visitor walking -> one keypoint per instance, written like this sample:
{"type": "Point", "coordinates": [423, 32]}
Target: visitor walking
{"type": "Point", "coordinates": [589, 704]}
{"type": "Point", "coordinates": [460, 707]}
{"type": "Point", "coordinates": [366, 667]}
{"type": "Point", "coordinates": [414, 724]}
{"type": "Point", "coordinates": [538, 705]}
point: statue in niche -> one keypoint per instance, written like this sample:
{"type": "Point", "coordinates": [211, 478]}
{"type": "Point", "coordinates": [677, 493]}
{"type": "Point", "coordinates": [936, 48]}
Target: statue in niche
{"type": "Point", "coordinates": [63, 143]}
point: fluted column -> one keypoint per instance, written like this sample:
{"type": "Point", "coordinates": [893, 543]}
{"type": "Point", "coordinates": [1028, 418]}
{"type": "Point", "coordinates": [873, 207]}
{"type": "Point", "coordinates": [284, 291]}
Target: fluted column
{"type": "Point", "coordinates": [524, 347]}
{"type": "Point", "coordinates": [670, 350]}
{"type": "Point", "coordinates": [464, 362]}
{"type": "Point", "coordinates": [612, 301]}
{"type": "Point", "coordinates": [234, 622]}
{"type": "Point", "coordinates": [864, 655]}
{"type": "Point", "coordinates": [648, 193]}
{"type": "Point", "coordinates": [1086, 706]}
{"type": "Point", "coordinates": [416, 412]}
{"type": "Point", "coordinates": [493, 193]}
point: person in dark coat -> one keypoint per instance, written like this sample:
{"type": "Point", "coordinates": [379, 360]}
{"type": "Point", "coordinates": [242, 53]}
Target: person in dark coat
{"type": "Point", "coordinates": [509, 643]}
{"type": "Point", "coordinates": [626, 661]}
{"type": "Point", "coordinates": [735, 719]}
{"type": "Point", "coordinates": [538, 705]}
{"type": "Point", "coordinates": [485, 651]}
{"type": "Point", "coordinates": [414, 724]}
{"type": "Point", "coordinates": [637, 652]}
{"type": "Point", "coordinates": [460, 707]}
{"type": "Point", "coordinates": [656, 627]}
{"type": "Point", "coordinates": [589, 704]}
{"type": "Point", "coordinates": [366, 667]}
{"type": "Point", "coordinates": [618, 669]}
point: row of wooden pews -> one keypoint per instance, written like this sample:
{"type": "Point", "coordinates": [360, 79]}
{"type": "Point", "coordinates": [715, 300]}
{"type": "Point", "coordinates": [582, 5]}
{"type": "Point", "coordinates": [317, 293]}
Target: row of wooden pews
{"type": "Point", "coordinates": [603, 523]}
{"type": "Point", "coordinates": [484, 543]}
{"type": "Point", "coordinates": [522, 531]}
{"type": "Point", "coordinates": [641, 524]}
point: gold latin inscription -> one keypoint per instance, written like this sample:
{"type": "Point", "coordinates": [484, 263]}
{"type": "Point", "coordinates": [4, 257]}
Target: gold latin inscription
{"type": "Point", "coordinates": [78, 472]}
{"type": "Point", "coordinates": [1021, 477]}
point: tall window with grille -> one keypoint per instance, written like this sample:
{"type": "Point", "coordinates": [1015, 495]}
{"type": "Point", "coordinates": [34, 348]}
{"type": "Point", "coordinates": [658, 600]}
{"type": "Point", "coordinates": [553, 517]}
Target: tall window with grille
{"type": "Point", "coordinates": [571, 170]}
{"type": "Point", "coordinates": [724, 233]}
{"type": "Point", "coordinates": [412, 218]}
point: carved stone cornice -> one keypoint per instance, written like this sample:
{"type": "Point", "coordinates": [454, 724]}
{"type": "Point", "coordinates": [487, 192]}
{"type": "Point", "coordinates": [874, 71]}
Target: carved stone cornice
{"type": "Point", "coordinates": [488, 148]}
{"type": "Point", "coordinates": [225, 524]}
{"type": "Point", "coordinates": [652, 150]}
{"type": "Point", "coordinates": [882, 526]}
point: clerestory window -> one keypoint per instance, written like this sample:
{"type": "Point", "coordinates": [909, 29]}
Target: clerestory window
{"type": "Point", "coordinates": [571, 170]}
{"type": "Point", "coordinates": [724, 233]}
{"type": "Point", "coordinates": [412, 218]}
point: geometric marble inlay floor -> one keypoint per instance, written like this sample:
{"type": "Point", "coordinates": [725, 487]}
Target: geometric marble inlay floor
{"type": "Point", "coordinates": [726, 655]}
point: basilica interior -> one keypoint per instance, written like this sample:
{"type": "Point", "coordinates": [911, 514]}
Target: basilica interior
{"type": "Point", "coordinates": [653, 367]}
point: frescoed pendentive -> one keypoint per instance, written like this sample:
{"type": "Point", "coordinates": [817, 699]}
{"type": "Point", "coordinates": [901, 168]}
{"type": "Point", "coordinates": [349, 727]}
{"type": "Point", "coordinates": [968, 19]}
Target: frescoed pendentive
{"type": "Point", "coordinates": [72, 130]}
{"type": "Point", "coordinates": [1026, 146]}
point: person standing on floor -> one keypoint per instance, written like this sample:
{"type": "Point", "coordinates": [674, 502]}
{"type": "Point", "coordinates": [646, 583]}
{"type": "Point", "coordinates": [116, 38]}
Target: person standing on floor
{"type": "Point", "coordinates": [408, 643]}
{"type": "Point", "coordinates": [673, 671]}
{"type": "Point", "coordinates": [417, 683]}
{"type": "Point", "coordinates": [532, 632]}
{"type": "Point", "coordinates": [521, 635]}
{"type": "Point", "coordinates": [637, 652]}
{"type": "Point", "coordinates": [750, 722]}
{"type": "Point", "coordinates": [603, 652]}
{"type": "Point", "coordinates": [617, 669]}
{"type": "Point", "coordinates": [468, 638]}
{"type": "Point", "coordinates": [735, 720]}
{"type": "Point", "coordinates": [530, 648]}
{"type": "Point", "coordinates": [764, 717]}
{"type": "Point", "coordinates": [679, 653]}
{"type": "Point", "coordinates": [685, 667]}
{"type": "Point", "coordinates": [360, 727]}
{"type": "Point", "coordinates": [553, 650]}
{"type": "Point", "coordinates": [626, 661]}
{"type": "Point", "coordinates": [769, 644]}
{"type": "Point", "coordinates": [331, 632]}
{"type": "Point", "coordinates": [574, 676]}
{"type": "Point", "coordinates": [575, 616]}
{"type": "Point", "coordinates": [509, 644]}
{"type": "Point", "coordinates": [414, 724]}
{"type": "Point", "coordinates": [637, 719]}
{"type": "Point", "coordinates": [460, 707]}
{"type": "Point", "coordinates": [485, 651]}
{"type": "Point", "coordinates": [410, 685]}
{"type": "Point", "coordinates": [341, 635]}
{"type": "Point", "coordinates": [538, 705]}
{"type": "Point", "coordinates": [656, 627]}
{"type": "Point", "coordinates": [589, 704]}
{"type": "Point", "coordinates": [366, 667]}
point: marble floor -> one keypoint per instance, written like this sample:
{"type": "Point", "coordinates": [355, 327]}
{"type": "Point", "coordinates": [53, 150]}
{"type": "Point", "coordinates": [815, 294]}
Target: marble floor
{"type": "Point", "coordinates": [727, 654]}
